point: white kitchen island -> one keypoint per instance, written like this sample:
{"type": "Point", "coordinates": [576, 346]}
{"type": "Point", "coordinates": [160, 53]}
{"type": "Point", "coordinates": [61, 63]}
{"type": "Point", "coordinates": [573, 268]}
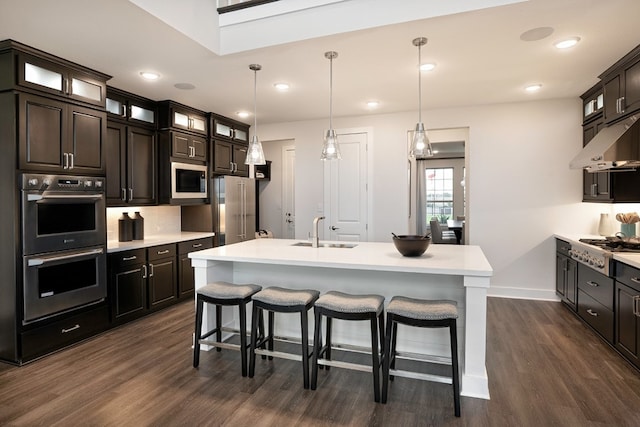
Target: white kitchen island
{"type": "Point", "coordinates": [458, 272]}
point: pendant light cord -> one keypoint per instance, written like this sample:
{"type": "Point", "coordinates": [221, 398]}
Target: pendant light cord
{"type": "Point", "coordinates": [255, 102]}
{"type": "Point", "coordinates": [331, 92]}
{"type": "Point", "coordinates": [419, 85]}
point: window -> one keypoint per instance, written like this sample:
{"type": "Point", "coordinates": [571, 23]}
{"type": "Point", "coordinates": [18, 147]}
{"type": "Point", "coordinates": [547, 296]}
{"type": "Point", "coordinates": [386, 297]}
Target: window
{"type": "Point", "coordinates": [439, 193]}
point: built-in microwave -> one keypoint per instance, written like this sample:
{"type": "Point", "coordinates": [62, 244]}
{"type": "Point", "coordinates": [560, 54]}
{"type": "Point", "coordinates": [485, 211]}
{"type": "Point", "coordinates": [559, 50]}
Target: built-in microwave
{"type": "Point", "coordinates": [188, 181]}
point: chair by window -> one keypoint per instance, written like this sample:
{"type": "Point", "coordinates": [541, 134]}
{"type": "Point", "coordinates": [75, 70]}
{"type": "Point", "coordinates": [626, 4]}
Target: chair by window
{"type": "Point", "coordinates": [440, 236]}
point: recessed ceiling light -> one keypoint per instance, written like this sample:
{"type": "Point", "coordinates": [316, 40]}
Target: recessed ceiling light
{"type": "Point", "coordinates": [567, 43]}
{"type": "Point", "coordinates": [242, 114]}
{"type": "Point", "coordinates": [184, 86]}
{"type": "Point", "coordinates": [533, 88]}
{"type": "Point", "coordinates": [372, 104]}
{"type": "Point", "coordinates": [281, 86]}
{"type": "Point", "coordinates": [429, 66]}
{"type": "Point", "coordinates": [149, 75]}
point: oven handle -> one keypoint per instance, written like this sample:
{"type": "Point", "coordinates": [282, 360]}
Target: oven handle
{"type": "Point", "coordinates": [38, 197]}
{"type": "Point", "coordinates": [43, 260]}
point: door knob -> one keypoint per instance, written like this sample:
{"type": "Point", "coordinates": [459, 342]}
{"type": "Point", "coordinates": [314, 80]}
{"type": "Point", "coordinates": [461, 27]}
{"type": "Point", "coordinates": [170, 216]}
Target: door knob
{"type": "Point", "coordinates": [334, 228]}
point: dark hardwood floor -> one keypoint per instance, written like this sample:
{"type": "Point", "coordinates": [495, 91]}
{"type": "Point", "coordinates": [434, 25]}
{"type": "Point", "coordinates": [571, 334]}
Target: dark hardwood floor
{"type": "Point", "coordinates": [545, 369]}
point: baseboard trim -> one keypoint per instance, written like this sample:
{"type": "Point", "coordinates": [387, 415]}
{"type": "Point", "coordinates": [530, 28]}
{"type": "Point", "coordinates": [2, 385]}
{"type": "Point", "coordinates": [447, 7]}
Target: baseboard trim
{"type": "Point", "coordinates": [520, 293]}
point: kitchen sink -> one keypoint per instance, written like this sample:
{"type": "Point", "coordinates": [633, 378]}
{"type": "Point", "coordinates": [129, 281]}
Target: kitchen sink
{"type": "Point", "coordinates": [327, 245]}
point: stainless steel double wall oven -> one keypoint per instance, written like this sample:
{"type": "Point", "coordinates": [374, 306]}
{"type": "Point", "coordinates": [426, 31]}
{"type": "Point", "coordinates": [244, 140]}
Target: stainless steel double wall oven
{"type": "Point", "coordinates": [63, 243]}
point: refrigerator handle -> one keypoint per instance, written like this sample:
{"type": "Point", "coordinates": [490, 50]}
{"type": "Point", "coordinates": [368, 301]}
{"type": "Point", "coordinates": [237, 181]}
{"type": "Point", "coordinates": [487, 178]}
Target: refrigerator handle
{"type": "Point", "coordinates": [244, 211]}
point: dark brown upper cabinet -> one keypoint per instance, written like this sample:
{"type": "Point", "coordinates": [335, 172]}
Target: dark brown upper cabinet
{"type": "Point", "coordinates": [127, 107]}
{"type": "Point", "coordinates": [181, 117]}
{"type": "Point", "coordinates": [621, 84]}
{"type": "Point", "coordinates": [25, 68]}
{"type": "Point", "coordinates": [229, 129]}
{"type": "Point", "coordinates": [56, 136]}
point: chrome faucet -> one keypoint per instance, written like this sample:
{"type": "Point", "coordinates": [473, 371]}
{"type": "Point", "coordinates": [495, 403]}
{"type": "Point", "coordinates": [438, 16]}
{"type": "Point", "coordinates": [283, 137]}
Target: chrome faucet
{"type": "Point", "coordinates": [315, 240]}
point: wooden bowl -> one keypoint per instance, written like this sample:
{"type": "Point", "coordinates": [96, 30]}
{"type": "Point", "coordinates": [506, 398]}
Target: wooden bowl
{"type": "Point", "coordinates": [411, 245]}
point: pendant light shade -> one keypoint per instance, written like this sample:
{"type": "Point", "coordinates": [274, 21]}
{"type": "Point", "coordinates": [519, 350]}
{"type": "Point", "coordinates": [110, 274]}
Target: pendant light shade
{"type": "Point", "coordinates": [255, 155]}
{"type": "Point", "coordinates": [420, 145]}
{"type": "Point", "coordinates": [330, 147]}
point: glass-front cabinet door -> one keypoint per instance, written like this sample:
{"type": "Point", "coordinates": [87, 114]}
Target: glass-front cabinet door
{"type": "Point", "coordinates": [50, 77]}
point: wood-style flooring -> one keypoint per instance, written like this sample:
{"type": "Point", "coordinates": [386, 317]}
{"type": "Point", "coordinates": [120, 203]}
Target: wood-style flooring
{"type": "Point", "coordinates": [545, 369]}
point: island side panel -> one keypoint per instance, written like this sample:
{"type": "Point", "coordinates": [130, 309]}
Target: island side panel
{"type": "Point", "coordinates": [207, 271]}
{"type": "Point", "coordinates": [475, 382]}
{"type": "Point", "coordinates": [388, 284]}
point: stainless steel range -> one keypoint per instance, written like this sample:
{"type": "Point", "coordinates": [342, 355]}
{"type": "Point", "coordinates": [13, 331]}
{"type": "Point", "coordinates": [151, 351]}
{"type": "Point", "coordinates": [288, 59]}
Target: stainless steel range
{"type": "Point", "coordinates": [593, 253]}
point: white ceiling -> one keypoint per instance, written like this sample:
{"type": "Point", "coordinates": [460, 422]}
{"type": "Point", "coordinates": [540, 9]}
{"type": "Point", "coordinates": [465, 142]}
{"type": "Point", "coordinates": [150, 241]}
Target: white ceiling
{"type": "Point", "coordinates": [480, 57]}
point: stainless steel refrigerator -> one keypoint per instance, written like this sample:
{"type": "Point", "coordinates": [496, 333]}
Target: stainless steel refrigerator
{"type": "Point", "coordinates": [231, 213]}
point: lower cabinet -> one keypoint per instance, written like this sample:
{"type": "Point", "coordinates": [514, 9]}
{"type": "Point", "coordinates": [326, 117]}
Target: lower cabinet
{"type": "Point", "coordinates": [149, 279]}
{"type": "Point", "coordinates": [127, 284]}
{"type": "Point", "coordinates": [627, 297]}
{"type": "Point", "coordinates": [595, 301]}
{"type": "Point", "coordinates": [55, 335]}
{"type": "Point", "coordinates": [163, 275]}
{"type": "Point", "coordinates": [186, 282]}
{"type": "Point", "coordinates": [566, 274]}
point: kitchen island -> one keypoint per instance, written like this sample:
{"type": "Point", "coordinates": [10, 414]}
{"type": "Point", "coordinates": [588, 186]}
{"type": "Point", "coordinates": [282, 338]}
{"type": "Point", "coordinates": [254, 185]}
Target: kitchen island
{"type": "Point", "coordinates": [458, 272]}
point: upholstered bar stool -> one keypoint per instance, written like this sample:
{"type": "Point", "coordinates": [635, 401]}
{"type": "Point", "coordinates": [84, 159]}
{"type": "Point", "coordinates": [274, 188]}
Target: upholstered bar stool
{"type": "Point", "coordinates": [275, 299]}
{"type": "Point", "coordinates": [223, 294]}
{"type": "Point", "coordinates": [338, 305]}
{"type": "Point", "coordinates": [422, 314]}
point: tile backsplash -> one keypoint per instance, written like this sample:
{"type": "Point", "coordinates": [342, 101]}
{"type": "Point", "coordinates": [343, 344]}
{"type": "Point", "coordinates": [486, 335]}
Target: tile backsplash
{"type": "Point", "coordinates": [157, 219]}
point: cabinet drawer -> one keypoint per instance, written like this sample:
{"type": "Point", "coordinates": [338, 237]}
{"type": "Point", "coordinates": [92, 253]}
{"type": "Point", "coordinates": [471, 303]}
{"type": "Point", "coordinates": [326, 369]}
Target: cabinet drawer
{"type": "Point", "coordinates": [127, 258]}
{"type": "Point", "coordinates": [195, 245]}
{"type": "Point", "coordinates": [628, 275]}
{"type": "Point", "coordinates": [596, 315]}
{"type": "Point", "coordinates": [43, 340]}
{"type": "Point", "coordinates": [597, 285]}
{"type": "Point", "coordinates": [162, 251]}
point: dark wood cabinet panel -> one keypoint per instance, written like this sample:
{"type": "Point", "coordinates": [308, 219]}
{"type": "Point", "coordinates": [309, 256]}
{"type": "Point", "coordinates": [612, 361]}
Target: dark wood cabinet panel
{"type": "Point", "coordinates": [186, 146]}
{"type": "Point", "coordinates": [228, 158]}
{"type": "Point", "coordinates": [628, 322]}
{"type": "Point", "coordinates": [42, 133]}
{"type": "Point", "coordinates": [621, 85]}
{"type": "Point", "coordinates": [127, 285]}
{"type": "Point", "coordinates": [131, 165]}
{"type": "Point", "coordinates": [162, 282]}
{"type": "Point", "coordinates": [566, 274]}
{"type": "Point", "coordinates": [116, 160]}
{"type": "Point", "coordinates": [186, 280]}
{"type": "Point", "coordinates": [141, 169]}
{"type": "Point", "coordinates": [59, 137]}
{"type": "Point", "coordinates": [88, 130]}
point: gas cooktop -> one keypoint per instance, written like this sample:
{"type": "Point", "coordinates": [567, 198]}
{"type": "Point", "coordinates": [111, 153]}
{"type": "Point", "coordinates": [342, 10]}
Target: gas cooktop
{"type": "Point", "coordinates": [614, 245]}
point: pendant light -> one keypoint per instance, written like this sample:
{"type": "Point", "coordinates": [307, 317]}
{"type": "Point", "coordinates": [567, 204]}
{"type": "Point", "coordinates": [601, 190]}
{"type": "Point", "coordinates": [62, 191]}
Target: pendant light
{"type": "Point", "coordinates": [330, 148]}
{"type": "Point", "coordinates": [255, 155]}
{"type": "Point", "coordinates": [420, 145]}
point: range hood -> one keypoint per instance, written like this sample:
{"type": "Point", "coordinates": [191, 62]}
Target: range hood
{"type": "Point", "coordinates": [614, 147]}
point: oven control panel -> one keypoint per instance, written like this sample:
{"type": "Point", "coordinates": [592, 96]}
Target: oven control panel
{"type": "Point", "coordinates": [41, 182]}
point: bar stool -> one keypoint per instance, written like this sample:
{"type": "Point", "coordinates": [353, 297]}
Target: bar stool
{"type": "Point", "coordinates": [338, 305]}
{"type": "Point", "coordinates": [422, 314]}
{"type": "Point", "coordinates": [223, 294]}
{"type": "Point", "coordinates": [275, 299]}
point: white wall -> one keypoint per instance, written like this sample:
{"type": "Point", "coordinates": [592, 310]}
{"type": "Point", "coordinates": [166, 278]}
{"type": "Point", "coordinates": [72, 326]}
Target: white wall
{"type": "Point", "coordinates": [270, 192]}
{"type": "Point", "coordinates": [521, 190]}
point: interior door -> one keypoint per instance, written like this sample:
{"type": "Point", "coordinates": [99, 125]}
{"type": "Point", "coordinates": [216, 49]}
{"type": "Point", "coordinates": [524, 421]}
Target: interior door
{"type": "Point", "coordinates": [346, 190]}
{"type": "Point", "coordinates": [288, 192]}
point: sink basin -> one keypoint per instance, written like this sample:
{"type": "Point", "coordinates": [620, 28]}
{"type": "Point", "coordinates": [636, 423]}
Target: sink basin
{"type": "Point", "coordinates": [327, 245]}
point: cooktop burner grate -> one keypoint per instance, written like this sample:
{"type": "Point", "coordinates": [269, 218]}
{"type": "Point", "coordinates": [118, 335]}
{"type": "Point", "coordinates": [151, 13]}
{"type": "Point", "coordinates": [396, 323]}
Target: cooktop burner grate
{"type": "Point", "coordinates": [613, 245]}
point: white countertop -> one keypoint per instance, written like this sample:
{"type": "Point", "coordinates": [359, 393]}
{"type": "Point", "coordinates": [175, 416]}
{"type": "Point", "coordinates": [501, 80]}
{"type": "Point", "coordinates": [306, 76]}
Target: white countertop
{"type": "Point", "coordinates": [155, 240]}
{"type": "Point", "coordinates": [438, 259]}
